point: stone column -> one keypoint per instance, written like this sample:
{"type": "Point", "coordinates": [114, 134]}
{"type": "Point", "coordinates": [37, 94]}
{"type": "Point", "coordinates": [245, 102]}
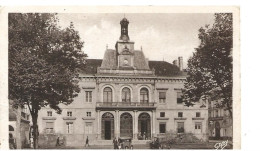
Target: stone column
{"type": "Point", "coordinates": [99, 125]}
{"type": "Point", "coordinates": [116, 124]}
{"type": "Point", "coordinates": [153, 122]}
{"type": "Point", "coordinates": [135, 125]}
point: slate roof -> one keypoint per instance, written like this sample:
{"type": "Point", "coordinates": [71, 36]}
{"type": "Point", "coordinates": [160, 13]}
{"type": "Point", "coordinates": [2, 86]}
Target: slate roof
{"type": "Point", "coordinates": [162, 68]}
{"type": "Point", "coordinates": [110, 61]}
{"type": "Point", "coordinates": [139, 61]}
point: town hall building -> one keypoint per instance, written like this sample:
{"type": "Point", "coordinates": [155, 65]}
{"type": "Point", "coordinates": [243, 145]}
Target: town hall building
{"type": "Point", "coordinates": [125, 95]}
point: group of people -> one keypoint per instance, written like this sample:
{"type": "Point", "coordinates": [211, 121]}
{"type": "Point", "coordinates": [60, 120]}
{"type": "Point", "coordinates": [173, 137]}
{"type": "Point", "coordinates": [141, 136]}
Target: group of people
{"type": "Point", "coordinates": [118, 143]}
{"type": "Point", "coordinates": [142, 136]}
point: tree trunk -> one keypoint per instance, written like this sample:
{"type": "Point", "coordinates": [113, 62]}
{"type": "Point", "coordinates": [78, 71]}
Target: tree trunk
{"type": "Point", "coordinates": [35, 130]}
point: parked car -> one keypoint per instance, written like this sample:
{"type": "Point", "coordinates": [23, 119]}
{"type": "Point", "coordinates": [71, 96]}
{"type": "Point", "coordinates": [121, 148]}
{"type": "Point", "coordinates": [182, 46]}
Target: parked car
{"type": "Point", "coordinates": [125, 142]}
{"type": "Point", "coordinates": [160, 143]}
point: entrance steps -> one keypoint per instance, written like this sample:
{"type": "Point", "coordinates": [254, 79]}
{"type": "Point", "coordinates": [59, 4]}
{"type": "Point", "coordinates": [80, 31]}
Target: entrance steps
{"type": "Point", "coordinates": [140, 142]}
{"type": "Point", "coordinates": [110, 142]}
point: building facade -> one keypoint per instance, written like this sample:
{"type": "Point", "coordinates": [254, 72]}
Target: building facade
{"type": "Point", "coordinates": [125, 95]}
{"type": "Point", "coordinates": [19, 126]}
{"type": "Point", "coordinates": [220, 122]}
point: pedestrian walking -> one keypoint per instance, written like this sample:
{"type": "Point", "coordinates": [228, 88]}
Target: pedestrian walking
{"type": "Point", "coordinates": [58, 141]}
{"type": "Point", "coordinates": [87, 142]}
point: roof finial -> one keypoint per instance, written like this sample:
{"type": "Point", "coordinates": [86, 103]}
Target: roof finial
{"type": "Point", "coordinates": [141, 48]}
{"type": "Point", "coordinates": [107, 46]}
{"type": "Point", "coordinates": [124, 15]}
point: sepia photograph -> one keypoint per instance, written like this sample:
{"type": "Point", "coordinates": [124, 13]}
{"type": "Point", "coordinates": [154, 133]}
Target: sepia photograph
{"type": "Point", "coordinates": [137, 79]}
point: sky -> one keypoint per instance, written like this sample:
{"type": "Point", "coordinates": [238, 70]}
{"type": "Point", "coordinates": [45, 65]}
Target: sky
{"type": "Point", "coordinates": [161, 36]}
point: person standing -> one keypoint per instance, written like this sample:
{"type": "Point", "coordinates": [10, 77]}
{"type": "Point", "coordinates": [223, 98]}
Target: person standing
{"type": "Point", "coordinates": [115, 142]}
{"type": "Point", "coordinates": [58, 141]}
{"type": "Point", "coordinates": [87, 142]}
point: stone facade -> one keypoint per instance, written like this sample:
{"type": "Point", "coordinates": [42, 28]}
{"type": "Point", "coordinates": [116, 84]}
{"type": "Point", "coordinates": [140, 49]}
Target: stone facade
{"type": "Point", "coordinates": [19, 126]}
{"type": "Point", "coordinates": [125, 95]}
{"type": "Point", "coordinates": [220, 122]}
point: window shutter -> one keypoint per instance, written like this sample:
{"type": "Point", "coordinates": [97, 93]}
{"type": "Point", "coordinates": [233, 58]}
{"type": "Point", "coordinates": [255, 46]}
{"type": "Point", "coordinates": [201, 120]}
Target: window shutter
{"type": "Point", "coordinates": [162, 95]}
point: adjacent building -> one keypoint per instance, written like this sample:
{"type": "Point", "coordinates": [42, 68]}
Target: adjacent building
{"type": "Point", "coordinates": [125, 95]}
{"type": "Point", "coordinates": [220, 122]}
{"type": "Point", "coordinates": [19, 126]}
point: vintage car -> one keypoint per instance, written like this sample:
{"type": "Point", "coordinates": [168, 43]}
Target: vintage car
{"type": "Point", "coordinates": [160, 143]}
{"type": "Point", "coordinates": [125, 143]}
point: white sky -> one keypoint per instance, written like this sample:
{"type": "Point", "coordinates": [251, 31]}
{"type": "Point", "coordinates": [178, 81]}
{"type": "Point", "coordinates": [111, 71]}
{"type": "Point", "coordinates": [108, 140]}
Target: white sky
{"type": "Point", "coordinates": [162, 36]}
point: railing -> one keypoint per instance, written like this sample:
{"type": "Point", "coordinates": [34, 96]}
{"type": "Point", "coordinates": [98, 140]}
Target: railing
{"type": "Point", "coordinates": [125, 104]}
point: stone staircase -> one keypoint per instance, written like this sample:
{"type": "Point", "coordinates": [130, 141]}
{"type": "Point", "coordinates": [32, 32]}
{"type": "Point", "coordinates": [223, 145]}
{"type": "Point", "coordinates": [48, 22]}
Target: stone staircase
{"type": "Point", "coordinates": [110, 142]}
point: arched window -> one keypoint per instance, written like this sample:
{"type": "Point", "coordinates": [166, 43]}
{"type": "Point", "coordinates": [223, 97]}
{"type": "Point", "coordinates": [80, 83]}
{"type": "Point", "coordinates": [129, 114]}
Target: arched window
{"type": "Point", "coordinates": [144, 95]}
{"type": "Point", "coordinates": [107, 95]}
{"type": "Point", "coordinates": [11, 128]}
{"type": "Point", "coordinates": [126, 95]}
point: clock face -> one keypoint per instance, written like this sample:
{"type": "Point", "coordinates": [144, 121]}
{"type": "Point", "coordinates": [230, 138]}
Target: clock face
{"type": "Point", "coordinates": [125, 62]}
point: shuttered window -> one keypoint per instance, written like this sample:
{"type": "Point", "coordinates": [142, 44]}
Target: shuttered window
{"type": "Point", "coordinates": [162, 97]}
{"type": "Point", "coordinates": [49, 127]}
{"type": "Point", "coordinates": [179, 97]}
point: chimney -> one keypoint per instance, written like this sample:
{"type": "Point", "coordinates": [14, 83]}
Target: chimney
{"type": "Point", "coordinates": [180, 63]}
{"type": "Point", "coordinates": [175, 62]}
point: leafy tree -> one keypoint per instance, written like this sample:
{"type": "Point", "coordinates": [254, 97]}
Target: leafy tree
{"type": "Point", "coordinates": [44, 60]}
{"type": "Point", "coordinates": [210, 68]}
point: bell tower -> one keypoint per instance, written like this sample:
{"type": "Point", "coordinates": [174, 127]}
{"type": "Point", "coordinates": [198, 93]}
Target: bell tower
{"type": "Point", "coordinates": [124, 30]}
{"type": "Point", "coordinates": [125, 47]}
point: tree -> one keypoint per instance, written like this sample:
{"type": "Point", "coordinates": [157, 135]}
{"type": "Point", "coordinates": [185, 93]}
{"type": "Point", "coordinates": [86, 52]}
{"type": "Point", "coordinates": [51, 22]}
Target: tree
{"type": "Point", "coordinates": [210, 68]}
{"type": "Point", "coordinates": [44, 61]}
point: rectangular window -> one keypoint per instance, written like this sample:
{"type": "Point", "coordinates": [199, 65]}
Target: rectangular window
{"type": "Point", "coordinates": [197, 114]}
{"type": "Point", "coordinates": [180, 127]}
{"type": "Point", "coordinates": [88, 114]}
{"type": "Point", "coordinates": [180, 114]}
{"type": "Point", "coordinates": [179, 97]}
{"type": "Point", "coordinates": [198, 125]}
{"type": "Point", "coordinates": [49, 127]}
{"type": "Point", "coordinates": [162, 127]}
{"type": "Point", "coordinates": [162, 114]}
{"type": "Point", "coordinates": [69, 127]}
{"type": "Point", "coordinates": [88, 128]}
{"type": "Point", "coordinates": [49, 113]}
{"type": "Point", "coordinates": [69, 113]}
{"type": "Point", "coordinates": [88, 96]}
{"type": "Point", "coordinates": [162, 97]}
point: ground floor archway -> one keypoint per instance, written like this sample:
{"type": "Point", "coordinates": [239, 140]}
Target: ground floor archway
{"type": "Point", "coordinates": [107, 126]}
{"type": "Point", "coordinates": [126, 125]}
{"type": "Point", "coordinates": [144, 126]}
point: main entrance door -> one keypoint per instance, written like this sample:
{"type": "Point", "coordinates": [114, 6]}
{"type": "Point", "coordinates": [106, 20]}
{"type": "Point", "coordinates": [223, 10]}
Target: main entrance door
{"type": "Point", "coordinates": [107, 126]}
{"type": "Point", "coordinates": [126, 125]}
{"type": "Point", "coordinates": [217, 128]}
{"type": "Point", "coordinates": [144, 126]}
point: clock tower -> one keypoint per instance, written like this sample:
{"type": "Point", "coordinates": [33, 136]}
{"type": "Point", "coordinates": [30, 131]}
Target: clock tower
{"type": "Point", "coordinates": [125, 47]}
